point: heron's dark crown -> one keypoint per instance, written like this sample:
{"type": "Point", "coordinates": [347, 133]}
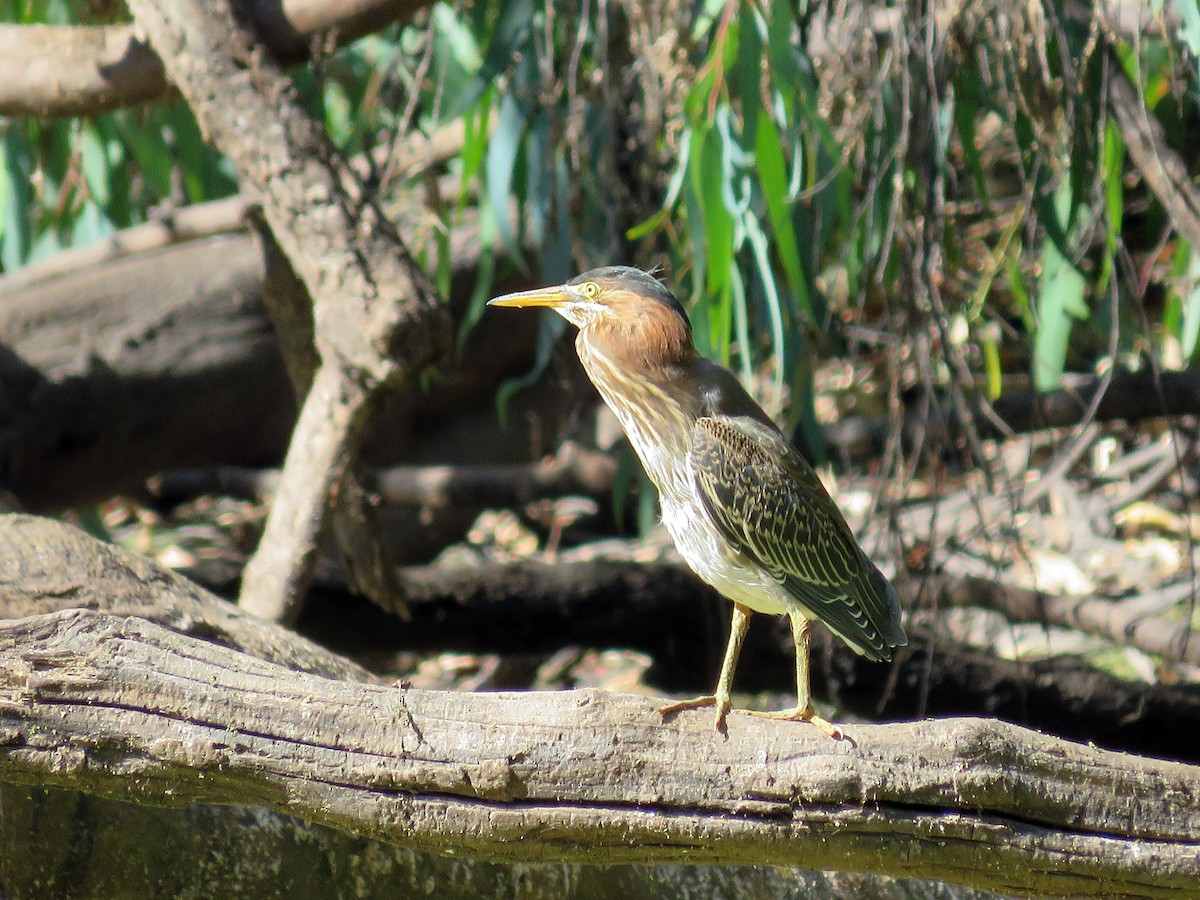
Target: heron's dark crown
{"type": "Point", "coordinates": [633, 281]}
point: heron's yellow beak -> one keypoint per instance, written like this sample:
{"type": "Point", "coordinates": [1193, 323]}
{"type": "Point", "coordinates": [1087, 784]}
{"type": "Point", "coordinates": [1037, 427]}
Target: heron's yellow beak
{"type": "Point", "coordinates": [550, 296]}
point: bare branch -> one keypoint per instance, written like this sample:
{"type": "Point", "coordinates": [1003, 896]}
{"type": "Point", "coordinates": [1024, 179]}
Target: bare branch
{"type": "Point", "coordinates": [376, 320]}
{"type": "Point", "coordinates": [67, 70]}
{"type": "Point", "coordinates": [573, 470]}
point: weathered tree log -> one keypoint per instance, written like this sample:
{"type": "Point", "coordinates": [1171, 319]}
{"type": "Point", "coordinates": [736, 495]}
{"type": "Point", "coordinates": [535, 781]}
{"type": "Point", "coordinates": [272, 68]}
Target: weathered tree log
{"type": "Point", "coordinates": [660, 608]}
{"type": "Point", "coordinates": [70, 70]}
{"type": "Point", "coordinates": [664, 611]}
{"type": "Point", "coordinates": [110, 374]}
{"type": "Point", "coordinates": [46, 565]}
{"type": "Point", "coordinates": [124, 708]}
{"type": "Point", "coordinates": [140, 364]}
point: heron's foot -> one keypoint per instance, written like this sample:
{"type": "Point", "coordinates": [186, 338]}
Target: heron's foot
{"type": "Point", "coordinates": [720, 704]}
{"type": "Point", "coordinates": [805, 714]}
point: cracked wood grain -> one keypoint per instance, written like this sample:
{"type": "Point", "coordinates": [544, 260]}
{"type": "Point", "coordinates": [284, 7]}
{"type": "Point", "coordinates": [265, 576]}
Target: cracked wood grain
{"type": "Point", "coordinates": [375, 319]}
{"type": "Point", "coordinates": [122, 707]}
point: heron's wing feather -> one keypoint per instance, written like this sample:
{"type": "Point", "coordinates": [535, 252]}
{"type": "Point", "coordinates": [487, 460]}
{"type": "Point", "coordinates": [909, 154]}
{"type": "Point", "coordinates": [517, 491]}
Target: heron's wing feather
{"type": "Point", "coordinates": [770, 504]}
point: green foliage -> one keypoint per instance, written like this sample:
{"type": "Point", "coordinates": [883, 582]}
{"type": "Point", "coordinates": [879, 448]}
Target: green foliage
{"type": "Point", "coordinates": [811, 178]}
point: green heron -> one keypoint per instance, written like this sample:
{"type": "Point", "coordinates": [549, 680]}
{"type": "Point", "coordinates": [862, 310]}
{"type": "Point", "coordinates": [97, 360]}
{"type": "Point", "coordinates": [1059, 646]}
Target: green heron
{"type": "Point", "coordinates": [746, 511]}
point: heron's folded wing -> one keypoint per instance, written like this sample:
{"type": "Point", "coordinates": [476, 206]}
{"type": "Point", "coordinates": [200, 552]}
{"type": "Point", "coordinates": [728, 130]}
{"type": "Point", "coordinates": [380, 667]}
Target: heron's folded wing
{"type": "Point", "coordinates": [770, 504]}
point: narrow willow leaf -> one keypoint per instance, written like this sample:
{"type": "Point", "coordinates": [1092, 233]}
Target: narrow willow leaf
{"type": "Point", "coordinates": [485, 276]}
{"type": "Point", "coordinates": [94, 161]}
{"type": "Point", "coordinates": [968, 98]}
{"type": "Point", "coordinates": [501, 163]}
{"type": "Point", "coordinates": [1190, 336]}
{"type": "Point", "coordinates": [762, 260]}
{"type": "Point", "coordinates": [511, 32]}
{"type": "Point", "coordinates": [149, 149]}
{"type": "Point", "coordinates": [1060, 302]}
{"type": "Point", "coordinates": [741, 326]}
{"type": "Point", "coordinates": [708, 182]}
{"type": "Point", "coordinates": [772, 174]}
{"type": "Point", "coordinates": [991, 362]}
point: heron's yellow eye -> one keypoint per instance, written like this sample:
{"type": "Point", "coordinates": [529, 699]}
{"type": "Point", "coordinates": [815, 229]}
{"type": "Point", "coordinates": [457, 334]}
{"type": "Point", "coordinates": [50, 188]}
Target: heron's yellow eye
{"type": "Point", "coordinates": [590, 290]}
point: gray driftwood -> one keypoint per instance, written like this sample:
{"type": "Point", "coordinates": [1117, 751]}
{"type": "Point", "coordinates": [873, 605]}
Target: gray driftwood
{"type": "Point", "coordinates": [122, 707]}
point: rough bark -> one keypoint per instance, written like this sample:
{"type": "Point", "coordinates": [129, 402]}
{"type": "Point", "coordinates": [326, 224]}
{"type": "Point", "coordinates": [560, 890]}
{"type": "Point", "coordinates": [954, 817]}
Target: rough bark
{"type": "Point", "coordinates": [376, 320]}
{"type": "Point", "coordinates": [1129, 396]}
{"type": "Point", "coordinates": [69, 70]}
{"type": "Point", "coordinates": [1133, 621]}
{"type": "Point", "coordinates": [119, 368]}
{"type": "Point", "coordinates": [659, 608]}
{"type": "Point", "coordinates": [115, 372]}
{"type": "Point", "coordinates": [46, 565]}
{"type": "Point", "coordinates": [122, 707]}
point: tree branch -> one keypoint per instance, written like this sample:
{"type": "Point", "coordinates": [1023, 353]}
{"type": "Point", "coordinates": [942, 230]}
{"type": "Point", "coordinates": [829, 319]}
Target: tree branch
{"type": "Point", "coordinates": [70, 70]}
{"type": "Point", "coordinates": [376, 320]}
{"type": "Point", "coordinates": [124, 708]}
{"type": "Point", "coordinates": [1130, 397]}
{"type": "Point", "coordinates": [572, 470]}
{"type": "Point", "coordinates": [657, 608]}
{"type": "Point", "coordinates": [46, 565]}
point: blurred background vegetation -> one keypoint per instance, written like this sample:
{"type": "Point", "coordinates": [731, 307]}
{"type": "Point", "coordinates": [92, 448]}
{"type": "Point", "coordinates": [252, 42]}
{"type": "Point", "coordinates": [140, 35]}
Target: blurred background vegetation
{"type": "Point", "coordinates": [922, 216]}
{"type": "Point", "coordinates": [937, 196]}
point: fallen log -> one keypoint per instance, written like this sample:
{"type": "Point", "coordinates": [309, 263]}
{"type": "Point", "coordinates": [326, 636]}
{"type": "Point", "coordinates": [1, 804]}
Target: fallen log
{"type": "Point", "coordinates": [124, 708]}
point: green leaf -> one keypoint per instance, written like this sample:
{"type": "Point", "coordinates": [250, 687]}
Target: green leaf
{"type": "Point", "coordinates": [741, 325]}
{"type": "Point", "coordinates": [16, 231]}
{"type": "Point", "coordinates": [710, 177]}
{"type": "Point", "coordinates": [772, 174]}
{"type": "Point", "coordinates": [968, 95]}
{"type": "Point", "coordinates": [649, 226]}
{"type": "Point", "coordinates": [1061, 301]}
{"type": "Point", "coordinates": [511, 32]}
{"type": "Point", "coordinates": [1190, 336]}
{"type": "Point", "coordinates": [501, 165]}
{"type": "Point", "coordinates": [475, 144]}
{"type": "Point", "coordinates": [150, 150]}
{"type": "Point", "coordinates": [485, 277]}
{"type": "Point", "coordinates": [758, 246]}
{"type": "Point", "coordinates": [991, 362]}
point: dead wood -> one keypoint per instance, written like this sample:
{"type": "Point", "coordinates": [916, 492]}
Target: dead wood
{"type": "Point", "coordinates": [663, 610]}
{"type": "Point", "coordinates": [53, 70]}
{"type": "Point", "coordinates": [572, 470]}
{"type": "Point", "coordinates": [123, 367]}
{"type": "Point", "coordinates": [1129, 396]}
{"type": "Point", "coordinates": [376, 319]}
{"type": "Point", "coordinates": [1125, 621]}
{"type": "Point", "coordinates": [658, 608]}
{"type": "Point", "coordinates": [122, 707]}
{"type": "Point", "coordinates": [46, 565]}
{"type": "Point", "coordinates": [114, 372]}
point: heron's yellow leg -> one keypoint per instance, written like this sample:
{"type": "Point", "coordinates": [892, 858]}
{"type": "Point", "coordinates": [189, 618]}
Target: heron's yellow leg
{"type": "Point", "coordinates": [803, 711]}
{"type": "Point", "coordinates": [720, 700]}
